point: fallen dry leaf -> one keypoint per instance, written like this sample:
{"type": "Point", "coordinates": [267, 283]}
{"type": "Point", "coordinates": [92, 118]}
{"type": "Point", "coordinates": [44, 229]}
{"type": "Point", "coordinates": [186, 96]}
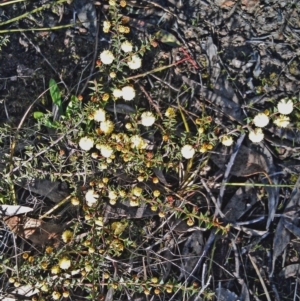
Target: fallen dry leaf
{"type": "Point", "coordinates": [227, 3]}
{"type": "Point", "coordinates": [290, 217]}
{"type": "Point", "coordinates": [10, 210]}
{"type": "Point", "coordinates": [250, 5]}
{"type": "Point", "coordinates": [38, 231]}
{"type": "Point", "coordinates": [243, 198]}
{"type": "Point", "coordinates": [248, 162]}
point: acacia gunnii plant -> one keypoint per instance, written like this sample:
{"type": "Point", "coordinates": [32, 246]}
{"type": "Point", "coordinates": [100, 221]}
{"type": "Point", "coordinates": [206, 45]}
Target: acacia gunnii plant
{"type": "Point", "coordinates": [120, 146]}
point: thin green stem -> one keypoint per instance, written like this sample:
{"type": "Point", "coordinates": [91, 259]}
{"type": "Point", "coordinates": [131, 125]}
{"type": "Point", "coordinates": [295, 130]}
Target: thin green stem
{"type": "Point", "coordinates": [258, 185]}
{"type": "Point", "coordinates": [36, 29]}
{"type": "Point", "coordinates": [31, 12]}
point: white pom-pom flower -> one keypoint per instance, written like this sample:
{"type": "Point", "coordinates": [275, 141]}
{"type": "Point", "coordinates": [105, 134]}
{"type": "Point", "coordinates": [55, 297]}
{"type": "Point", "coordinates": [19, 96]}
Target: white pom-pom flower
{"type": "Point", "coordinates": [256, 136]}
{"type": "Point", "coordinates": [64, 263]}
{"type": "Point", "coordinates": [117, 93]}
{"type": "Point", "coordinates": [91, 197]}
{"type": "Point", "coordinates": [99, 115]}
{"type": "Point", "coordinates": [261, 120]}
{"type": "Point", "coordinates": [105, 150]}
{"type": "Point", "coordinates": [138, 142]}
{"type": "Point", "coordinates": [107, 57]}
{"type": "Point", "coordinates": [282, 121]}
{"type": "Point", "coordinates": [128, 93]}
{"type": "Point", "coordinates": [285, 106]}
{"type": "Point", "coordinates": [107, 127]}
{"type": "Point", "coordinates": [126, 46]}
{"type": "Point", "coordinates": [187, 151]}
{"type": "Point", "coordinates": [86, 143]}
{"type": "Point", "coordinates": [227, 140]}
{"type": "Point", "coordinates": [147, 119]}
{"type": "Point", "coordinates": [135, 62]}
{"type": "Point", "coordinates": [106, 26]}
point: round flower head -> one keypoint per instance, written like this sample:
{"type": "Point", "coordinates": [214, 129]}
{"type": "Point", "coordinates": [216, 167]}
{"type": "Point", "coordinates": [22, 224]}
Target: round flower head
{"type": "Point", "coordinates": [134, 202]}
{"type": "Point", "coordinates": [113, 201]}
{"type": "Point", "coordinates": [123, 3]}
{"type": "Point", "coordinates": [121, 29]}
{"type": "Point", "coordinates": [67, 236]}
{"type": "Point", "coordinates": [112, 74]}
{"type": "Point", "coordinates": [156, 193]}
{"type": "Point", "coordinates": [105, 150]}
{"type": "Point", "coordinates": [261, 120]}
{"type": "Point", "coordinates": [55, 269]}
{"type": "Point", "coordinates": [106, 26]}
{"type": "Point", "coordinates": [91, 197]}
{"type": "Point", "coordinates": [147, 119]}
{"type": "Point", "coordinates": [44, 288]}
{"type": "Point", "coordinates": [117, 93]}
{"type": "Point", "coordinates": [107, 126]}
{"type": "Point", "coordinates": [126, 46]}
{"type": "Point", "coordinates": [256, 136]}
{"type": "Point", "coordinates": [285, 106]}
{"type": "Point", "coordinates": [86, 143]}
{"type": "Point", "coordinates": [66, 294]}
{"type": "Point", "coordinates": [99, 221]}
{"type": "Point", "coordinates": [227, 140]}
{"type": "Point", "coordinates": [137, 191]}
{"type": "Point", "coordinates": [112, 195]}
{"type": "Point", "coordinates": [99, 115]}
{"type": "Point", "coordinates": [170, 113]}
{"type": "Point", "coordinates": [64, 263]}
{"type": "Point", "coordinates": [138, 142]}
{"type": "Point", "coordinates": [135, 62]}
{"type": "Point", "coordinates": [56, 295]}
{"type": "Point", "coordinates": [128, 93]}
{"type": "Point", "coordinates": [282, 121]}
{"type": "Point", "coordinates": [106, 57]}
{"type": "Point", "coordinates": [187, 151]}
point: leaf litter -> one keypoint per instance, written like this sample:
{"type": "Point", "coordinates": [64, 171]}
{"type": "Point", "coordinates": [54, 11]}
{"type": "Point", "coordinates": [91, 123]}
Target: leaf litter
{"type": "Point", "coordinates": [251, 59]}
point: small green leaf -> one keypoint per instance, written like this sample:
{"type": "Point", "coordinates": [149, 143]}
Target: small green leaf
{"type": "Point", "coordinates": [70, 106]}
{"type": "Point", "coordinates": [55, 94]}
{"type": "Point", "coordinates": [167, 38]}
{"type": "Point", "coordinates": [38, 115]}
{"type": "Point", "coordinates": [50, 124]}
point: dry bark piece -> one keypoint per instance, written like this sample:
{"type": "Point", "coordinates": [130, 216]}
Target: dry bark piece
{"type": "Point", "coordinates": [10, 210]}
{"type": "Point", "coordinates": [212, 54]}
{"type": "Point", "coordinates": [290, 217]}
{"type": "Point", "coordinates": [38, 231]}
{"type": "Point", "coordinates": [250, 5]}
{"type": "Point", "coordinates": [124, 209]}
{"type": "Point", "coordinates": [243, 198]}
{"type": "Point", "coordinates": [55, 191]}
{"type": "Point", "coordinates": [191, 252]}
{"type": "Point", "coordinates": [225, 3]}
{"type": "Point", "coordinates": [273, 191]}
{"type": "Point", "coordinates": [291, 270]}
{"type": "Point", "coordinates": [224, 294]}
{"type": "Point", "coordinates": [247, 162]}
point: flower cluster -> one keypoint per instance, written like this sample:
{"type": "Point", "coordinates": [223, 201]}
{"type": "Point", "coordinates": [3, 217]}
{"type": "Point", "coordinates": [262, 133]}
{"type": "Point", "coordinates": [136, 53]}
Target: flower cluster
{"type": "Point", "coordinates": [284, 107]}
{"type": "Point", "coordinates": [127, 93]}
